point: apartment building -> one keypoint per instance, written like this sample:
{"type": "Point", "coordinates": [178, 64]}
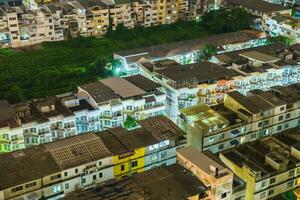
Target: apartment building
{"type": "Point", "coordinates": [117, 98]}
{"type": "Point", "coordinates": [45, 120]}
{"type": "Point", "coordinates": [261, 67]}
{"type": "Point", "coordinates": [56, 169]}
{"type": "Point", "coordinates": [240, 118]}
{"type": "Point", "coordinates": [283, 24]}
{"type": "Point", "coordinates": [184, 84]}
{"type": "Point", "coordinates": [27, 27]}
{"type": "Point", "coordinates": [186, 52]}
{"type": "Point", "coordinates": [174, 182]}
{"type": "Point", "coordinates": [212, 173]}
{"type": "Point", "coordinates": [269, 166]}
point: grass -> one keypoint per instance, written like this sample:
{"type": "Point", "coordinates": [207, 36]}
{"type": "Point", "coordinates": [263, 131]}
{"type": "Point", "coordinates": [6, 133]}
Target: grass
{"type": "Point", "coordinates": [58, 66]}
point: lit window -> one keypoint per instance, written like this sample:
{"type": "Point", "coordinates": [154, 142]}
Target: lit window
{"type": "Point", "coordinates": [56, 189]}
{"type": "Point", "coordinates": [211, 139]}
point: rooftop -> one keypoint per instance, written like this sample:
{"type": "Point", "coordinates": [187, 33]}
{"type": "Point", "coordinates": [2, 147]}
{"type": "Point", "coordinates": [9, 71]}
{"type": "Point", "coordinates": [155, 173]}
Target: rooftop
{"type": "Point", "coordinates": [257, 103]}
{"type": "Point", "coordinates": [122, 87]}
{"type": "Point", "coordinates": [200, 160]}
{"type": "Point", "coordinates": [259, 5]}
{"type": "Point", "coordinates": [205, 117]}
{"type": "Point", "coordinates": [259, 56]}
{"type": "Point", "coordinates": [182, 47]}
{"type": "Point", "coordinates": [164, 183]}
{"type": "Point", "coordinates": [26, 165]}
{"type": "Point", "coordinates": [74, 151]}
{"type": "Point", "coordinates": [200, 72]}
{"type": "Point", "coordinates": [260, 155]}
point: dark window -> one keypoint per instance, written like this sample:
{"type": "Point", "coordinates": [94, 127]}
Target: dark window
{"type": "Point", "coordinates": [122, 167]}
{"type": "Point", "coordinates": [280, 118]}
{"type": "Point", "coordinates": [272, 180]}
{"type": "Point", "coordinates": [223, 195]}
{"type": "Point", "coordinates": [288, 116]}
{"type": "Point", "coordinates": [30, 185]}
{"type": "Point", "coordinates": [100, 175]}
{"type": "Point", "coordinates": [66, 173]}
{"type": "Point", "coordinates": [94, 177]}
{"type": "Point", "coordinates": [76, 170]}
{"type": "Point", "coordinates": [134, 163]}
{"type": "Point", "coordinates": [16, 189]}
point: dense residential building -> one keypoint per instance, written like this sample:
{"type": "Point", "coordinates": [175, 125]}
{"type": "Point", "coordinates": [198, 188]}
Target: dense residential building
{"type": "Point", "coordinates": [186, 52]}
{"type": "Point", "coordinates": [170, 183]}
{"type": "Point", "coordinates": [55, 169]}
{"type": "Point", "coordinates": [260, 9]}
{"type": "Point", "coordinates": [241, 118]}
{"type": "Point", "coordinates": [23, 26]}
{"type": "Point", "coordinates": [95, 107]}
{"type": "Point", "coordinates": [207, 82]}
{"type": "Point", "coordinates": [283, 24]}
{"type": "Point", "coordinates": [184, 84]}
{"type": "Point", "coordinates": [269, 166]}
{"type": "Point", "coordinates": [220, 180]}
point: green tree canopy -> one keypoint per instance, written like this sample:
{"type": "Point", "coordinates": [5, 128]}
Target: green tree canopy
{"type": "Point", "coordinates": [226, 20]}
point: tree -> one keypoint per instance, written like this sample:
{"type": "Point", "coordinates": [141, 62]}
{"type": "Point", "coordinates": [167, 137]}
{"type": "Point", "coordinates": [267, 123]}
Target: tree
{"type": "Point", "coordinates": [226, 20]}
{"type": "Point", "coordinates": [130, 122]}
{"type": "Point", "coordinates": [99, 67]}
{"type": "Point", "coordinates": [15, 94]}
{"type": "Point", "coordinates": [208, 50]}
{"type": "Point", "coordinates": [283, 39]}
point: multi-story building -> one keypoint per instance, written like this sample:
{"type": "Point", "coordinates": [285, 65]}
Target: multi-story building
{"type": "Point", "coordinates": [269, 166]}
{"type": "Point", "coordinates": [168, 183]}
{"type": "Point", "coordinates": [212, 174]}
{"type": "Point", "coordinates": [117, 98]}
{"type": "Point", "coordinates": [55, 169]}
{"type": "Point", "coordinates": [28, 27]}
{"type": "Point", "coordinates": [241, 119]}
{"type": "Point", "coordinates": [282, 24]}
{"type": "Point", "coordinates": [45, 120]}
{"type": "Point", "coordinates": [59, 20]}
{"type": "Point", "coordinates": [11, 133]}
{"type": "Point", "coordinates": [186, 52]}
{"type": "Point", "coordinates": [186, 85]}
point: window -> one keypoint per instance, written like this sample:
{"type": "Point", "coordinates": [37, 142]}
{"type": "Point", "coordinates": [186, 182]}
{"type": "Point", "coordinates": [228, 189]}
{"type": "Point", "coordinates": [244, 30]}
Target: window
{"type": "Point", "coordinates": [243, 139]}
{"type": "Point", "coordinates": [271, 191]}
{"type": "Point", "coordinates": [66, 173]}
{"type": "Point", "coordinates": [291, 173]}
{"type": "Point", "coordinates": [56, 189]}
{"type": "Point", "coordinates": [280, 118]}
{"type": "Point", "coordinates": [222, 136]}
{"type": "Point", "coordinates": [266, 122]}
{"type": "Point", "coordinates": [76, 170]}
{"type": "Point", "coordinates": [83, 180]}
{"type": "Point", "coordinates": [290, 184]}
{"type": "Point", "coordinates": [100, 163]}
{"type": "Point", "coordinates": [94, 177]}
{"type": "Point", "coordinates": [163, 155]}
{"type": "Point", "coordinates": [282, 108]}
{"type": "Point", "coordinates": [30, 185]}
{"type": "Point", "coordinates": [288, 115]}
{"type": "Point", "coordinates": [134, 163]}
{"type": "Point", "coordinates": [259, 124]}
{"type": "Point", "coordinates": [221, 146]}
{"type": "Point", "coordinates": [211, 139]}
{"type": "Point", "coordinates": [67, 186]}
{"type": "Point", "coordinates": [122, 167]}
{"type": "Point", "coordinates": [16, 189]}
{"type": "Point", "coordinates": [279, 127]}
{"type": "Point", "coordinates": [253, 136]}
{"type": "Point", "coordinates": [55, 177]}
{"type": "Point", "coordinates": [100, 175]}
{"type": "Point", "coordinates": [272, 180]}
{"type": "Point", "coordinates": [223, 195]}
{"type": "Point", "coordinates": [262, 195]}
{"type": "Point", "coordinates": [263, 184]}
{"type": "Point", "coordinates": [286, 125]}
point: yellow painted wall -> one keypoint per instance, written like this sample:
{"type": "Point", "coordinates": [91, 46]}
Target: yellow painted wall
{"type": "Point", "coordinates": [137, 156]}
{"type": "Point", "coordinates": [245, 174]}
